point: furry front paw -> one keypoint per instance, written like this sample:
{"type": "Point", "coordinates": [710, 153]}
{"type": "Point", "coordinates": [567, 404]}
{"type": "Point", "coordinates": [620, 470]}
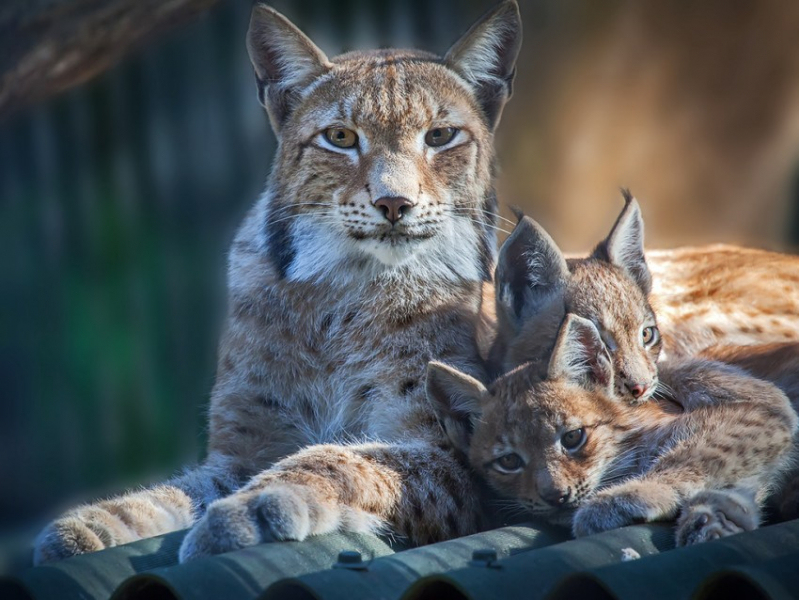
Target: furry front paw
{"type": "Point", "coordinates": [713, 515]}
{"type": "Point", "coordinates": [277, 513]}
{"type": "Point", "coordinates": [79, 532]}
{"type": "Point", "coordinates": [605, 512]}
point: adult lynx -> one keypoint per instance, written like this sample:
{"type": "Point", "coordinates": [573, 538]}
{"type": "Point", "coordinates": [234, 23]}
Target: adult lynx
{"type": "Point", "coordinates": [363, 260]}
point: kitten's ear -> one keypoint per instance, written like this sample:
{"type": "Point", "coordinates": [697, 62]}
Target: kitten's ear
{"type": "Point", "coordinates": [285, 61]}
{"type": "Point", "coordinates": [456, 398]}
{"type": "Point", "coordinates": [624, 247]}
{"type": "Point", "coordinates": [486, 57]}
{"type": "Point", "coordinates": [530, 270]}
{"type": "Point", "coordinates": [580, 355]}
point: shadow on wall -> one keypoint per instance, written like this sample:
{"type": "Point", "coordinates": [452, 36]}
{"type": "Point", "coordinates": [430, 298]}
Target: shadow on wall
{"type": "Point", "coordinates": [118, 199]}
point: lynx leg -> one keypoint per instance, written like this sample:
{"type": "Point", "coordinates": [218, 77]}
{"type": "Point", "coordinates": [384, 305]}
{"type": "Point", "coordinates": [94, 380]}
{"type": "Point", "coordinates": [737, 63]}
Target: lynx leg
{"type": "Point", "coordinates": [163, 508]}
{"type": "Point", "coordinates": [638, 501]}
{"type": "Point", "coordinates": [416, 489]}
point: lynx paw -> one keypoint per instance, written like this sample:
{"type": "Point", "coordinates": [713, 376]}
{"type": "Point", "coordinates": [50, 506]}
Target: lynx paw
{"type": "Point", "coordinates": [605, 512]}
{"type": "Point", "coordinates": [712, 515]}
{"type": "Point", "coordinates": [108, 523]}
{"type": "Point", "coordinates": [79, 532]}
{"type": "Point", "coordinates": [278, 513]}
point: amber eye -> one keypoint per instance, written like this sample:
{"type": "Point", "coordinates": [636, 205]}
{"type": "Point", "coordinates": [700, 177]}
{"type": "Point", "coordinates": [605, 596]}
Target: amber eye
{"type": "Point", "coordinates": [341, 137]}
{"type": "Point", "coordinates": [650, 335]}
{"type": "Point", "coordinates": [571, 440]}
{"type": "Point", "coordinates": [440, 136]}
{"type": "Point", "coordinates": [509, 463]}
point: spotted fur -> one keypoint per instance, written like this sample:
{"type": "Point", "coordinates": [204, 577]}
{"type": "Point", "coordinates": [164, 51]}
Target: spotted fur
{"type": "Point", "coordinates": [318, 419]}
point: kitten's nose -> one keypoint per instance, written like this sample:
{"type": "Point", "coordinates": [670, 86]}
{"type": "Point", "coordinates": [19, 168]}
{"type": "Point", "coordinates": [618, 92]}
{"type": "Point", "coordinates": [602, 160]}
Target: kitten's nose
{"type": "Point", "coordinates": [636, 389]}
{"type": "Point", "coordinates": [393, 207]}
{"type": "Point", "coordinates": [555, 497]}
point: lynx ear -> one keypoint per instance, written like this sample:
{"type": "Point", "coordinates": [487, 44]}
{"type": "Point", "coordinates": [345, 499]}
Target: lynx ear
{"type": "Point", "coordinates": [285, 61]}
{"type": "Point", "coordinates": [531, 269]}
{"type": "Point", "coordinates": [580, 355]}
{"type": "Point", "coordinates": [624, 247]}
{"type": "Point", "coordinates": [486, 57]}
{"type": "Point", "coordinates": [456, 398]}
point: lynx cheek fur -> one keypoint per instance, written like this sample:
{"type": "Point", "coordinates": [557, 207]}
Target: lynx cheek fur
{"type": "Point", "coordinates": [553, 437]}
{"type": "Point", "coordinates": [363, 260]}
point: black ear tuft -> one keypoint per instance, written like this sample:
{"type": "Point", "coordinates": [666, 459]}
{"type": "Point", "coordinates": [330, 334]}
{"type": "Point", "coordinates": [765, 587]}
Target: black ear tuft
{"type": "Point", "coordinates": [517, 212]}
{"type": "Point", "coordinates": [530, 271]}
{"type": "Point", "coordinates": [624, 246]}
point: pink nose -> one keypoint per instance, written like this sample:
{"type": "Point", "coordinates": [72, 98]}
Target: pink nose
{"type": "Point", "coordinates": [394, 208]}
{"type": "Point", "coordinates": [636, 389]}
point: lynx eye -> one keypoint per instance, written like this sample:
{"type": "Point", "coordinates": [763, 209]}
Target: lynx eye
{"type": "Point", "coordinates": [509, 463]}
{"type": "Point", "coordinates": [440, 136]}
{"type": "Point", "coordinates": [650, 335]}
{"type": "Point", "coordinates": [571, 440]}
{"type": "Point", "coordinates": [341, 137]}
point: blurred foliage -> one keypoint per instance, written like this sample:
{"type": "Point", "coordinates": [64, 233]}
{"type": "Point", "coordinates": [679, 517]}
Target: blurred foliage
{"type": "Point", "coordinates": [119, 198]}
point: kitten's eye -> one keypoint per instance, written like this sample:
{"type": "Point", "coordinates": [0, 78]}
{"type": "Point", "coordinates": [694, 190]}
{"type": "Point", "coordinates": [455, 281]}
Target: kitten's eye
{"type": "Point", "coordinates": [440, 136]}
{"type": "Point", "coordinates": [341, 137]}
{"type": "Point", "coordinates": [509, 463]}
{"type": "Point", "coordinates": [650, 335]}
{"type": "Point", "coordinates": [571, 440]}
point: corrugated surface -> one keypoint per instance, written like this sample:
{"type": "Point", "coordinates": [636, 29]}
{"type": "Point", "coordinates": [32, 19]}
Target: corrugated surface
{"type": "Point", "coordinates": [530, 563]}
{"type": "Point", "coordinates": [387, 578]}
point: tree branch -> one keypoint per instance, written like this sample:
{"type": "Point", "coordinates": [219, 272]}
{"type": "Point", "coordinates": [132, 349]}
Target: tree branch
{"type": "Point", "coordinates": [47, 46]}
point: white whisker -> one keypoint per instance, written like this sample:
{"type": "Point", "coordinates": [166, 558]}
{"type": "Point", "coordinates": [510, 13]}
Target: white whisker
{"type": "Point", "coordinates": [465, 214]}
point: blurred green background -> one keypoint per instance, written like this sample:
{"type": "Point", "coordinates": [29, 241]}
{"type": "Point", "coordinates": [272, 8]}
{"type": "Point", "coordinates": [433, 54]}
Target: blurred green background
{"type": "Point", "coordinates": [119, 197]}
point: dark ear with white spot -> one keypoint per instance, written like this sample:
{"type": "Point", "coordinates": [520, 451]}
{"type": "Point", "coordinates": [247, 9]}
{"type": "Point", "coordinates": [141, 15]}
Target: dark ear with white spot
{"type": "Point", "coordinates": [285, 61]}
{"type": "Point", "coordinates": [624, 247]}
{"type": "Point", "coordinates": [580, 355]}
{"type": "Point", "coordinates": [456, 398]}
{"type": "Point", "coordinates": [486, 57]}
{"type": "Point", "coordinates": [531, 269]}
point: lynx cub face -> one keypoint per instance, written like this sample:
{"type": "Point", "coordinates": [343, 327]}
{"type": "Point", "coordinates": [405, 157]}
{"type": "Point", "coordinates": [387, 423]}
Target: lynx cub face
{"type": "Point", "coordinates": [385, 156]}
{"type": "Point", "coordinates": [545, 434]}
{"type": "Point", "coordinates": [537, 286]}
